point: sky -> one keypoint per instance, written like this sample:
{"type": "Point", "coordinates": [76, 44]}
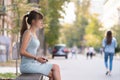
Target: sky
{"type": "Point", "coordinates": [69, 16]}
{"type": "Point", "coordinates": [108, 13]}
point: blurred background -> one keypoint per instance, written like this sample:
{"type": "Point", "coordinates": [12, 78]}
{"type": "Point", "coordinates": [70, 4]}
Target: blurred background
{"type": "Point", "coordinates": [71, 26]}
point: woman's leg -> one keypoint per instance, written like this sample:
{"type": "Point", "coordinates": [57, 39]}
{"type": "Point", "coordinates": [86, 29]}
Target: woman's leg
{"type": "Point", "coordinates": [111, 62]}
{"type": "Point", "coordinates": [106, 60]}
{"type": "Point", "coordinates": [56, 72]}
{"type": "Point", "coordinates": [50, 75]}
{"type": "Point", "coordinates": [87, 55]}
{"type": "Point", "coordinates": [91, 55]}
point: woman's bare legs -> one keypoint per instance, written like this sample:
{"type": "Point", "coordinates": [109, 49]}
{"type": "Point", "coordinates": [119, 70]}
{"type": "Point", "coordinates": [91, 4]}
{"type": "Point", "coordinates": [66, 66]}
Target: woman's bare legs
{"type": "Point", "coordinates": [50, 75]}
{"type": "Point", "coordinates": [55, 73]}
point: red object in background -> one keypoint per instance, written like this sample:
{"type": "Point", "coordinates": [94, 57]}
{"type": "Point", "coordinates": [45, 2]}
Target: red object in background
{"type": "Point", "coordinates": [66, 50]}
{"type": "Point", "coordinates": [54, 50]}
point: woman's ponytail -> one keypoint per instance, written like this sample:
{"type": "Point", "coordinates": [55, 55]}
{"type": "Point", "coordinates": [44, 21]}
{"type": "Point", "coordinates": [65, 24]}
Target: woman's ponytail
{"type": "Point", "coordinates": [24, 27]}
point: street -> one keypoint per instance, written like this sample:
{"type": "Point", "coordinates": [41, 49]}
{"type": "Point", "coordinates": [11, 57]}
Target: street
{"type": "Point", "coordinates": [83, 69]}
{"type": "Point", "coordinates": [33, 29]}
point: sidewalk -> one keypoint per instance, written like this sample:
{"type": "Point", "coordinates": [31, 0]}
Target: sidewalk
{"type": "Point", "coordinates": [8, 70]}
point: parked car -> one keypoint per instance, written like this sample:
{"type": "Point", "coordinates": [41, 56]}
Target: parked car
{"type": "Point", "coordinates": [60, 50]}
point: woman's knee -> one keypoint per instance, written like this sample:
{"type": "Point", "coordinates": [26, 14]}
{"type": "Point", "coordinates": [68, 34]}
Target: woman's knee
{"type": "Point", "coordinates": [55, 67]}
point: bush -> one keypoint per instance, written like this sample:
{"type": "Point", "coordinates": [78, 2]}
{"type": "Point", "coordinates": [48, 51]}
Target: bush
{"type": "Point", "coordinates": [117, 50]}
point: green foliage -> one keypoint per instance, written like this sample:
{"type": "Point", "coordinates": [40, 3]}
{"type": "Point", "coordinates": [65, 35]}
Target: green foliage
{"type": "Point", "coordinates": [116, 31]}
{"type": "Point", "coordinates": [19, 12]}
{"type": "Point", "coordinates": [81, 22]}
{"type": "Point", "coordinates": [78, 28]}
{"type": "Point", "coordinates": [51, 10]}
{"type": "Point", "coordinates": [93, 34]}
{"type": "Point", "coordinates": [86, 29]}
{"type": "Point", "coordinates": [52, 15]}
{"type": "Point", "coordinates": [69, 35]}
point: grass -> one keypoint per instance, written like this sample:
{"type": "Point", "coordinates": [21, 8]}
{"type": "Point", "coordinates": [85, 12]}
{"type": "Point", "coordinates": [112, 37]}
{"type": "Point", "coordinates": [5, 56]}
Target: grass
{"type": "Point", "coordinates": [11, 63]}
{"type": "Point", "coordinates": [7, 76]}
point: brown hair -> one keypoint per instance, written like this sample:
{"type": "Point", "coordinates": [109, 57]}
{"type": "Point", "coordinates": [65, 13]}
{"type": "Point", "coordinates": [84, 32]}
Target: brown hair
{"type": "Point", "coordinates": [33, 15]}
{"type": "Point", "coordinates": [109, 37]}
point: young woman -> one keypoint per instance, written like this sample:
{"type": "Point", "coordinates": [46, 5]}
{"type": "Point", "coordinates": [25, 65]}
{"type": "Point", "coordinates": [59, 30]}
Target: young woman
{"type": "Point", "coordinates": [30, 63]}
{"type": "Point", "coordinates": [109, 45]}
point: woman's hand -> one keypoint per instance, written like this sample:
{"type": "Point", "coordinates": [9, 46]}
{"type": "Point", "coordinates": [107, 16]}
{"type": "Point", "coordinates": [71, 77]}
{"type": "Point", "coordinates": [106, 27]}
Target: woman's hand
{"type": "Point", "coordinates": [41, 59]}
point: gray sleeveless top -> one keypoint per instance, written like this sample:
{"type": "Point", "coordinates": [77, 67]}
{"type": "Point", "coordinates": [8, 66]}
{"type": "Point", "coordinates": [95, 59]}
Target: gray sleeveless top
{"type": "Point", "coordinates": [32, 47]}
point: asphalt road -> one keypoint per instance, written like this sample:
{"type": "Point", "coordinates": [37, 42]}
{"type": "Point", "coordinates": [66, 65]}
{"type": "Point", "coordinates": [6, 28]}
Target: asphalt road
{"type": "Point", "coordinates": [86, 69]}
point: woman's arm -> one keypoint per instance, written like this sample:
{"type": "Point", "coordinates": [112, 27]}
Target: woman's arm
{"type": "Point", "coordinates": [25, 40]}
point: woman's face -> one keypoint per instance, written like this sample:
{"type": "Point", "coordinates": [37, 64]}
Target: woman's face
{"type": "Point", "coordinates": [39, 23]}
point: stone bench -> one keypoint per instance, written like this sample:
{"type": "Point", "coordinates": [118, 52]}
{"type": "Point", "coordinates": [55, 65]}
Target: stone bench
{"type": "Point", "coordinates": [30, 76]}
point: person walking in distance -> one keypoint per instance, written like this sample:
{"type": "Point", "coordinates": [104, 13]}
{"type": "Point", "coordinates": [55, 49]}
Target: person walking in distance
{"type": "Point", "coordinates": [91, 52]}
{"type": "Point", "coordinates": [87, 52]}
{"type": "Point", "coordinates": [109, 44]}
{"type": "Point", "coordinates": [74, 52]}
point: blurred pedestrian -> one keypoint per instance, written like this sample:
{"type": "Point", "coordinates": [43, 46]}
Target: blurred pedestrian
{"type": "Point", "coordinates": [87, 52]}
{"type": "Point", "coordinates": [90, 52]}
{"type": "Point", "coordinates": [101, 51]}
{"type": "Point", "coordinates": [74, 52]}
{"type": "Point", "coordinates": [109, 44]}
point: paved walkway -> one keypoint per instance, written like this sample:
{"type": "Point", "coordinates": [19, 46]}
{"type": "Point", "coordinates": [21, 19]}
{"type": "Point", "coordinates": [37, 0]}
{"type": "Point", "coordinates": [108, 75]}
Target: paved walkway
{"type": "Point", "coordinates": [81, 68]}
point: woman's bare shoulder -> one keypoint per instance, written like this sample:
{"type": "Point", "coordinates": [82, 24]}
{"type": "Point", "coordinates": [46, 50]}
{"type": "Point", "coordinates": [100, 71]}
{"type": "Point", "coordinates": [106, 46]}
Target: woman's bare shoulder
{"type": "Point", "coordinates": [26, 34]}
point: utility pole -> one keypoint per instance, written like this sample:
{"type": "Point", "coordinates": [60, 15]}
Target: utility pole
{"type": "Point", "coordinates": [44, 45]}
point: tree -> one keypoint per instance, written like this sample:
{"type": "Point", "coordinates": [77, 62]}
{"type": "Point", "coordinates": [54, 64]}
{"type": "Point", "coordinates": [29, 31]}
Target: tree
{"type": "Point", "coordinates": [52, 10]}
{"type": "Point", "coordinates": [68, 35]}
{"type": "Point", "coordinates": [18, 12]}
{"type": "Point", "coordinates": [78, 28]}
{"type": "Point", "coordinates": [93, 34]}
{"type": "Point", "coordinates": [116, 31]}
